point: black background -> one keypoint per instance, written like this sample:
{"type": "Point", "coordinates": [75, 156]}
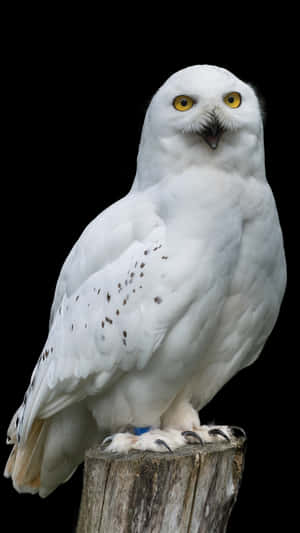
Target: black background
{"type": "Point", "coordinates": [76, 88]}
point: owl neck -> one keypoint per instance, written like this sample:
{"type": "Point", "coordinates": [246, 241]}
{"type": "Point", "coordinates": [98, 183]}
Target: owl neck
{"type": "Point", "coordinates": [159, 158]}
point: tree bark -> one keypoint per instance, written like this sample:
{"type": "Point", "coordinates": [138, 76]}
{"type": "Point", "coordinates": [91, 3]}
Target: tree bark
{"type": "Point", "coordinates": [191, 490]}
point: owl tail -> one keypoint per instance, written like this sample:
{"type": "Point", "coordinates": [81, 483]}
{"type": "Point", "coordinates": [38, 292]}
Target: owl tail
{"type": "Point", "coordinates": [24, 462]}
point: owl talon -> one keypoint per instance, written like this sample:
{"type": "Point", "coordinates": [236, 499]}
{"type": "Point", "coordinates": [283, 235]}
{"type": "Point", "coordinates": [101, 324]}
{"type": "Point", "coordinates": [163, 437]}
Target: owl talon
{"type": "Point", "coordinates": [216, 431]}
{"type": "Point", "coordinates": [161, 442]}
{"type": "Point", "coordinates": [106, 441]}
{"type": "Point", "coordinates": [194, 435]}
{"type": "Point", "coordinates": [238, 432]}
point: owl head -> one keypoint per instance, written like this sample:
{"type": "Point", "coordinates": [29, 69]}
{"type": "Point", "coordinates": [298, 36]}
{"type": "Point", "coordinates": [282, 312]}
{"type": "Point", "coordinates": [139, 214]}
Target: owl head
{"type": "Point", "coordinates": [202, 115]}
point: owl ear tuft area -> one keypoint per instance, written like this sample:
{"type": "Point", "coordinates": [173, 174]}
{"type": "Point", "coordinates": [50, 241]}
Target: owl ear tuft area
{"type": "Point", "coordinates": [261, 101]}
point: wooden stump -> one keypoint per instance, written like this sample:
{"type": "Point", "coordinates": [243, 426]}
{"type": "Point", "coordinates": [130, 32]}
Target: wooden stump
{"type": "Point", "coordinates": [191, 490]}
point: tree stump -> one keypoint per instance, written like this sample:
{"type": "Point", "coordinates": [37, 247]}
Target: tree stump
{"type": "Point", "coordinates": [191, 490]}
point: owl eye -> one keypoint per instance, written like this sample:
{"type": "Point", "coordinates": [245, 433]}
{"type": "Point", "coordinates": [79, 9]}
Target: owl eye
{"type": "Point", "coordinates": [233, 100]}
{"type": "Point", "coordinates": [183, 103]}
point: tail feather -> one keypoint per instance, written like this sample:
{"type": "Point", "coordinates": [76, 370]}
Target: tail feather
{"type": "Point", "coordinates": [24, 462]}
{"type": "Point", "coordinates": [51, 451]}
{"type": "Point", "coordinates": [12, 428]}
{"type": "Point", "coordinates": [10, 462]}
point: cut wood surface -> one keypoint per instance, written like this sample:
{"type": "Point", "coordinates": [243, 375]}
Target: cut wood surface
{"type": "Point", "coordinates": [191, 490]}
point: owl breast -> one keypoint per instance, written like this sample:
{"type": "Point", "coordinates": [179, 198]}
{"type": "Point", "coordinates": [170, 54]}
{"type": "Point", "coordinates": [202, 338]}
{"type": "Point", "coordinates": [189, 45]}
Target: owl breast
{"type": "Point", "coordinates": [254, 296]}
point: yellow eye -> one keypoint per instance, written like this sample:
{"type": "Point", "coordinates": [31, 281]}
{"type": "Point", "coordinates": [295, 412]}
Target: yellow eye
{"type": "Point", "coordinates": [233, 100]}
{"type": "Point", "coordinates": [183, 103]}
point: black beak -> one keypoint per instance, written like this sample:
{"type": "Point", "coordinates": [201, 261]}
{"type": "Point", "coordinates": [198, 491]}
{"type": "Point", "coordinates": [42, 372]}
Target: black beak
{"type": "Point", "coordinates": [212, 132]}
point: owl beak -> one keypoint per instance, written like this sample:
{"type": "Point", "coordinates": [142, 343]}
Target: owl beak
{"type": "Point", "coordinates": [212, 132]}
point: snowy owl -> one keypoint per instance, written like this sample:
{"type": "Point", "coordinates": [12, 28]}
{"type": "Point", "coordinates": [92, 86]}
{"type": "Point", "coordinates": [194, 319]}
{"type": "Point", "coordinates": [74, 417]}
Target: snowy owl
{"type": "Point", "coordinates": [166, 295]}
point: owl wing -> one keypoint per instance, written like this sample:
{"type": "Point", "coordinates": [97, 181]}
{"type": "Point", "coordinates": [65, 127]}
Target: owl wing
{"type": "Point", "coordinates": [103, 241]}
{"type": "Point", "coordinates": [104, 317]}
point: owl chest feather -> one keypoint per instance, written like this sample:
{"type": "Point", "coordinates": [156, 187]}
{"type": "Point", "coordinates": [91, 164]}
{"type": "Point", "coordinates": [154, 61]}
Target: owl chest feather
{"type": "Point", "coordinates": [252, 300]}
{"type": "Point", "coordinates": [229, 260]}
{"type": "Point", "coordinates": [259, 278]}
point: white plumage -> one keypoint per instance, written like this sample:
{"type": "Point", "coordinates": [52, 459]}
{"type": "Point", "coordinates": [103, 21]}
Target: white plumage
{"type": "Point", "coordinates": [167, 294]}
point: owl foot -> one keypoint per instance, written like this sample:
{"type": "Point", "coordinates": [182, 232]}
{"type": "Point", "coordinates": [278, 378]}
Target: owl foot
{"type": "Point", "coordinates": [210, 434]}
{"type": "Point", "coordinates": [167, 440]}
{"type": "Point", "coordinates": [155, 440]}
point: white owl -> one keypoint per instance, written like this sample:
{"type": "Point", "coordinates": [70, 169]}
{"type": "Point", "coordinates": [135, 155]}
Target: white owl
{"type": "Point", "coordinates": [166, 295]}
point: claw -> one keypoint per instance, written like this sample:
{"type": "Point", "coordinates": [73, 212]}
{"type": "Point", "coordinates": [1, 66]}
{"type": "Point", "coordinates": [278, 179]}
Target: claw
{"type": "Point", "coordinates": [237, 432]}
{"type": "Point", "coordinates": [163, 443]}
{"type": "Point", "coordinates": [106, 441]}
{"type": "Point", "coordinates": [193, 434]}
{"type": "Point", "coordinates": [216, 431]}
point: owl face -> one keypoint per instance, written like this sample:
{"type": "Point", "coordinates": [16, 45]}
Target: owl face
{"type": "Point", "coordinates": [205, 104]}
{"type": "Point", "coordinates": [202, 117]}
